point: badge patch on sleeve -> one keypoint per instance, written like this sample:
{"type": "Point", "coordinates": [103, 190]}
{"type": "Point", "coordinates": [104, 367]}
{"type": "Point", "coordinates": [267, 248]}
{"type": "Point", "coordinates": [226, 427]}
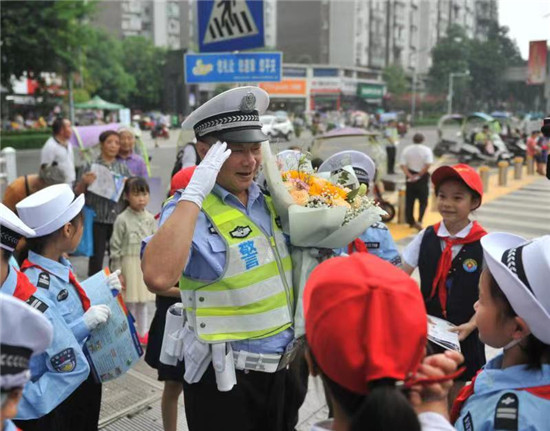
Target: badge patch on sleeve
{"type": "Point", "coordinates": [36, 303]}
{"type": "Point", "coordinates": [507, 412]}
{"type": "Point", "coordinates": [240, 232]}
{"type": "Point", "coordinates": [43, 280]}
{"type": "Point", "coordinates": [64, 361]}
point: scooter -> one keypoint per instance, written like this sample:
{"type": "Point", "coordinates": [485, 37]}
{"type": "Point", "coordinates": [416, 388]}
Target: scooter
{"type": "Point", "coordinates": [160, 132]}
{"type": "Point", "coordinates": [516, 146]}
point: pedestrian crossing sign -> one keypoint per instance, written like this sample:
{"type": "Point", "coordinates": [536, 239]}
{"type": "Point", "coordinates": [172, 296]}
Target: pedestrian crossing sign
{"type": "Point", "coordinates": [230, 25]}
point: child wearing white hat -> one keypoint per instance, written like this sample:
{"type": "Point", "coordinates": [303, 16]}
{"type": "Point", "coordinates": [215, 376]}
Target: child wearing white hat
{"type": "Point", "coordinates": [512, 392]}
{"type": "Point", "coordinates": [62, 367]}
{"type": "Point", "coordinates": [24, 332]}
{"type": "Point", "coordinates": [56, 216]}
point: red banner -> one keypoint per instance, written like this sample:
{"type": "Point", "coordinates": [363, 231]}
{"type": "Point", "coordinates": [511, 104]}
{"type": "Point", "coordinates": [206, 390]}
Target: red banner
{"type": "Point", "coordinates": [536, 68]}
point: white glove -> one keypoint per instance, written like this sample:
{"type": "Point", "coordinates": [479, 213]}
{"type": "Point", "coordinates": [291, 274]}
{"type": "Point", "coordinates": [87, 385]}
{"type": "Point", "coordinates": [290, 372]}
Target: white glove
{"type": "Point", "coordinates": [204, 178]}
{"type": "Point", "coordinates": [113, 280]}
{"type": "Point", "coordinates": [96, 315]}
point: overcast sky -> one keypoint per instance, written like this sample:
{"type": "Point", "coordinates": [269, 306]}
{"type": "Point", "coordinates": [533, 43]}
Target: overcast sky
{"type": "Point", "coordinates": [527, 20]}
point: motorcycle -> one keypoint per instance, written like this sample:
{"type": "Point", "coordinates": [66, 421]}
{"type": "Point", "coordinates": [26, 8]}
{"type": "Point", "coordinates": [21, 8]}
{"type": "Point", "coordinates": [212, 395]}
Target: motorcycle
{"type": "Point", "coordinates": [160, 132]}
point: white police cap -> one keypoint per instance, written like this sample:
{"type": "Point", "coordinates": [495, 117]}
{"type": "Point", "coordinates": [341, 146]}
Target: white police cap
{"type": "Point", "coordinates": [362, 164]}
{"type": "Point", "coordinates": [24, 332]}
{"type": "Point", "coordinates": [232, 116]}
{"type": "Point", "coordinates": [12, 229]}
{"type": "Point", "coordinates": [50, 208]}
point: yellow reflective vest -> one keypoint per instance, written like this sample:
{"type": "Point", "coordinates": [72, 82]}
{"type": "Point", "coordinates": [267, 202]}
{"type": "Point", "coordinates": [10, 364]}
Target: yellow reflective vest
{"type": "Point", "coordinates": [253, 298]}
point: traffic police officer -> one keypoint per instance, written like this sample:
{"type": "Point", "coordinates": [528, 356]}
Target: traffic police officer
{"type": "Point", "coordinates": [24, 332]}
{"type": "Point", "coordinates": [62, 367]}
{"type": "Point", "coordinates": [221, 234]}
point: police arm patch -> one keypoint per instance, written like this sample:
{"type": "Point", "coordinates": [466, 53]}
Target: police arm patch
{"type": "Point", "coordinates": [64, 361]}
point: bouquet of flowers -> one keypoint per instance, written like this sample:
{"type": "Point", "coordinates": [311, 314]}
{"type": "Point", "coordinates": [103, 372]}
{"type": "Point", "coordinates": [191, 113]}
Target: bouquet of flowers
{"type": "Point", "coordinates": [317, 211]}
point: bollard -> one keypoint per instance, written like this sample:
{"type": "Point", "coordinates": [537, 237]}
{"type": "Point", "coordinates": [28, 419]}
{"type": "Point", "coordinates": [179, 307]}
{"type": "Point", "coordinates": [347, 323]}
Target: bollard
{"type": "Point", "coordinates": [530, 165]}
{"type": "Point", "coordinates": [485, 173]}
{"type": "Point", "coordinates": [401, 218]}
{"type": "Point", "coordinates": [10, 165]}
{"type": "Point", "coordinates": [518, 168]}
{"type": "Point", "coordinates": [503, 173]}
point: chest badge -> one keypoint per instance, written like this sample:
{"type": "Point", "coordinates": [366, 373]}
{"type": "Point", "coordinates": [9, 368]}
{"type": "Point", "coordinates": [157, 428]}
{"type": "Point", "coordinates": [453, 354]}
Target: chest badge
{"type": "Point", "coordinates": [64, 361]}
{"type": "Point", "coordinates": [240, 232]}
{"type": "Point", "coordinates": [43, 280]}
{"type": "Point", "coordinates": [62, 295]}
{"type": "Point", "coordinates": [470, 265]}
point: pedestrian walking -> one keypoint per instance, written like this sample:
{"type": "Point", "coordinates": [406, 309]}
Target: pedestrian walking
{"type": "Point", "coordinates": [58, 149]}
{"type": "Point", "coordinates": [106, 209]}
{"type": "Point", "coordinates": [449, 258]}
{"type": "Point", "coordinates": [369, 347]}
{"type": "Point", "coordinates": [415, 163]}
{"type": "Point", "coordinates": [56, 217]}
{"type": "Point", "coordinates": [131, 226]}
{"type": "Point", "coordinates": [220, 238]}
{"type": "Point", "coordinates": [512, 313]}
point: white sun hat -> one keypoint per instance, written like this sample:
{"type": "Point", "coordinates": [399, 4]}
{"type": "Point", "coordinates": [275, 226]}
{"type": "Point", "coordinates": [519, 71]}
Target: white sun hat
{"type": "Point", "coordinates": [521, 268]}
{"type": "Point", "coordinates": [362, 164]}
{"type": "Point", "coordinates": [12, 229]}
{"type": "Point", "coordinates": [50, 208]}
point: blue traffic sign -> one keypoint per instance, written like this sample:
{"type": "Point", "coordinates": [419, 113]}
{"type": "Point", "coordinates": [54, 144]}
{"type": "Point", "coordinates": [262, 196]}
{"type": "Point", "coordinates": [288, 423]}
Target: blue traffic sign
{"type": "Point", "coordinates": [229, 25]}
{"type": "Point", "coordinates": [241, 67]}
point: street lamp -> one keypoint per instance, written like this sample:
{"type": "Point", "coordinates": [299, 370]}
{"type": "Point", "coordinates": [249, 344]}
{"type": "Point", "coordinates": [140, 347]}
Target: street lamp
{"type": "Point", "coordinates": [450, 94]}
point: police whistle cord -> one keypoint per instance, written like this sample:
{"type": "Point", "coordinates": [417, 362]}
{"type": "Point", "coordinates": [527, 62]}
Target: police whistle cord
{"type": "Point", "coordinates": [408, 383]}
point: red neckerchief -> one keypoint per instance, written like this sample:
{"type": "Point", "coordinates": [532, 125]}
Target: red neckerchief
{"type": "Point", "coordinates": [72, 279]}
{"type": "Point", "coordinates": [359, 245]}
{"type": "Point", "coordinates": [24, 289]}
{"type": "Point", "coordinates": [446, 260]}
{"type": "Point", "coordinates": [467, 391]}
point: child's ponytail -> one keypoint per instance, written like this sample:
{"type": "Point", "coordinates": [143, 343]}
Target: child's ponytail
{"type": "Point", "coordinates": [385, 408]}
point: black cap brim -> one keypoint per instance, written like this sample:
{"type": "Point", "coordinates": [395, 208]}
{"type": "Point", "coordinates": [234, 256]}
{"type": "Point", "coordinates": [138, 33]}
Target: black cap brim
{"type": "Point", "coordinates": [240, 136]}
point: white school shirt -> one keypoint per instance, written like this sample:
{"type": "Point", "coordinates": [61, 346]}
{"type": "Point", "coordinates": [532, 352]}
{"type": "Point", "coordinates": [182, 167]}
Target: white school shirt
{"type": "Point", "coordinates": [412, 251]}
{"type": "Point", "coordinates": [53, 151]}
{"type": "Point", "coordinates": [416, 156]}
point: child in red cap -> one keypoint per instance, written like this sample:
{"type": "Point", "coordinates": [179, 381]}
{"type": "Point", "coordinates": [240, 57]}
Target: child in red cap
{"type": "Point", "coordinates": [366, 331]}
{"type": "Point", "coordinates": [449, 257]}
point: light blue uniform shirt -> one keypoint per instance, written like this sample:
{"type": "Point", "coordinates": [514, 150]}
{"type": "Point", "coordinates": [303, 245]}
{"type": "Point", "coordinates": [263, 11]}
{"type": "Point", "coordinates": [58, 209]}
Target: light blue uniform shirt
{"type": "Point", "coordinates": [55, 284]}
{"type": "Point", "coordinates": [55, 373]}
{"type": "Point", "coordinates": [8, 426]}
{"type": "Point", "coordinates": [379, 242]}
{"type": "Point", "coordinates": [498, 396]}
{"type": "Point", "coordinates": [208, 255]}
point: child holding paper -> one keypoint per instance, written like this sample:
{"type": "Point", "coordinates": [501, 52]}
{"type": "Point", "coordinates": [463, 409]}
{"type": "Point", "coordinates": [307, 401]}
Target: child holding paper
{"type": "Point", "coordinates": [449, 258]}
{"type": "Point", "coordinates": [512, 391]}
{"type": "Point", "coordinates": [56, 217]}
{"type": "Point", "coordinates": [130, 228]}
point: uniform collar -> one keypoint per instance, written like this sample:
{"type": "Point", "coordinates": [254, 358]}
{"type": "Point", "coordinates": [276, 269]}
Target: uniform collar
{"type": "Point", "coordinates": [59, 269]}
{"type": "Point", "coordinates": [254, 193]}
{"type": "Point", "coordinates": [493, 378]}
{"type": "Point", "coordinates": [10, 283]}
{"type": "Point", "coordinates": [443, 232]}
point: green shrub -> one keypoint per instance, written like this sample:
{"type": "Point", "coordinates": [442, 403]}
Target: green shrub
{"type": "Point", "coordinates": [22, 140]}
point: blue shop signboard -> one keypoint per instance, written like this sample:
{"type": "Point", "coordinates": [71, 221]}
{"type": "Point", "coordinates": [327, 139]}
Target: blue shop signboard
{"type": "Point", "coordinates": [241, 67]}
{"type": "Point", "coordinates": [226, 25]}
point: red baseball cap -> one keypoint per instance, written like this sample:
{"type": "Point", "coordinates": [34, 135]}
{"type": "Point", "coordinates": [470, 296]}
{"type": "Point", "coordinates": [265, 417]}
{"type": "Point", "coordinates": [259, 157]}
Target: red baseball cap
{"type": "Point", "coordinates": [465, 173]}
{"type": "Point", "coordinates": [365, 320]}
{"type": "Point", "coordinates": [181, 179]}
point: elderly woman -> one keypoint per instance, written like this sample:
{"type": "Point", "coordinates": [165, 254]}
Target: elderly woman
{"type": "Point", "coordinates": [134, 162]}
{"type": "Point", "coordinates": [106, 210]}
{"type": "Point", "coordinates": [26, 185]}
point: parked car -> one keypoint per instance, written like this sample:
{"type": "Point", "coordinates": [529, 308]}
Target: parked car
{"type": "Point", "coordinates": [277, 126]}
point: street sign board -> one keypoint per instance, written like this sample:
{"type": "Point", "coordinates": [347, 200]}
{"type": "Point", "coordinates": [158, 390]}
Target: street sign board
{"type": "Point", "coordinates": [230, 25]}
{"type": "Point", "coordinates": [371, 91]}
{"type": "Point", "coordinates": [242, 67]}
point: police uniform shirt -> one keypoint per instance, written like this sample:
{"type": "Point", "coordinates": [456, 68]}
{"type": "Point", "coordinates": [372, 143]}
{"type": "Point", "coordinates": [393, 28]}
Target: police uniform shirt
{"type": "Point", "coordinates": [208, 255]}
{"type": "Point", "coordinates": [498, 401]}
{"type": "Point", "coordinates": [54, 282]}
{"type": "Point", "coordinates": [412, 251]}
{"type": "Point", "coordinates": [56, 373]}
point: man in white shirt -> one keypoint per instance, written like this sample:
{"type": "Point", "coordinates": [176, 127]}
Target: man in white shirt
{"type": "Point", "coordinates": [58, 149]}
{"type": "Point", "coordinates": [415, 162]}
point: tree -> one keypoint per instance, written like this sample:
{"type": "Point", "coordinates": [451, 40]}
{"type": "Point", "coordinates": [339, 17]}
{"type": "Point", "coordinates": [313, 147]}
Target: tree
{"type": "Point", "coordinates": [396, 80]}
{"type": "Point", "coordinates": [144, 62]}
{"type": "Point", "coordinates": [42, 37]}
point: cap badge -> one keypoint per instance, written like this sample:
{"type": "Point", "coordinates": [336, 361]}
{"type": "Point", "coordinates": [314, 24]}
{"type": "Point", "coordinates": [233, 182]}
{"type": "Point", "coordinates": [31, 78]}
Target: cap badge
{"type": "Point", "coordinates": [248, 103]}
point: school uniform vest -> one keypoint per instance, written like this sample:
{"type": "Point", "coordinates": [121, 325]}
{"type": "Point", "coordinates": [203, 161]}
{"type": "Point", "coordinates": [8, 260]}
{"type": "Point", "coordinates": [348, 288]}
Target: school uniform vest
{"type": "Point", "coordinates": [462, 280]}
{"type": "Point", "coordinates": [253, 298]}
